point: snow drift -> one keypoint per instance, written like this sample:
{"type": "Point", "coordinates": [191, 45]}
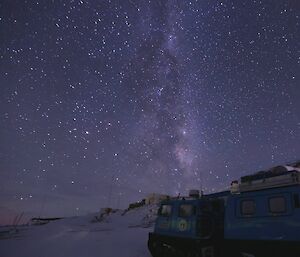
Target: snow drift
{"type": "Point", "coordinates": [119, 234]}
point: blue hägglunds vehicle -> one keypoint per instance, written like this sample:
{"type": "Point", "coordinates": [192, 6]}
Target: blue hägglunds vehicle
{"type": "Point", "coordinates": [258, 217]}
{"type": "Point", "coordinates": [189, 226]}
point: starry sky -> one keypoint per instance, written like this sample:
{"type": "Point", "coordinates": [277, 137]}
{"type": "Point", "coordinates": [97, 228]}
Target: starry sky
{"type": "Point", "coordinates": [103, 102]}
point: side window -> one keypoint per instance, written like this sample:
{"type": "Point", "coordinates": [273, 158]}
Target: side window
{"type": "Point", "coordinates": [217, 205]}
{"type": "Point", "coordinates": [165, 210]}
{"type": "Point", "coordinates": [247, 207]}
{"type": "Point", "coordinates": [212, 206]}
{"type": "Point", "coordinates": [277, 204]}
{"type": "Point", "coordinates": [186, 210]}
{"type": "Point", "coordinates": [206, 207]}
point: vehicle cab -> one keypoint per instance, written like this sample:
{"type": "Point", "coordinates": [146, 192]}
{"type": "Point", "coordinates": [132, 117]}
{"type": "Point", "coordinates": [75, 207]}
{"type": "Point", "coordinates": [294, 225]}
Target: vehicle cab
{"type": "Point", "coordinates": [186, 223]}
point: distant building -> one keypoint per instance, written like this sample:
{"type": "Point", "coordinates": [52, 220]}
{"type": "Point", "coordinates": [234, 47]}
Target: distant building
{"type": "Point", "coordinates": [137, 204]}
{"type": "Point", "coordinates": [155, 198]}
{"type": "Point", "coordinates": [42, 221]}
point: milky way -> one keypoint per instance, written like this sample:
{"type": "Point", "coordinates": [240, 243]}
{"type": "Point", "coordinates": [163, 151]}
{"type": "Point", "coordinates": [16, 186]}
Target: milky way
{"type": "Point", "coordinates": [104, 102]}
{"type": "Point", "coordinates": [165, 124]}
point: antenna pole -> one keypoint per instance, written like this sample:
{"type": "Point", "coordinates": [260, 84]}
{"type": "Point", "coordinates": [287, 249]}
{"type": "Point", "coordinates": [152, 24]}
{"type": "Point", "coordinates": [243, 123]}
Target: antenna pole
{"type": "Point", "coordinates": [110, 191]}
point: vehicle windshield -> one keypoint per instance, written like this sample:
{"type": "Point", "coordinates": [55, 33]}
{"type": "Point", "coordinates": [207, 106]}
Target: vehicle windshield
{"type": "Point", "coordinates": [186, 210]}
{"type": "Point", "coordinates": [165, 210]}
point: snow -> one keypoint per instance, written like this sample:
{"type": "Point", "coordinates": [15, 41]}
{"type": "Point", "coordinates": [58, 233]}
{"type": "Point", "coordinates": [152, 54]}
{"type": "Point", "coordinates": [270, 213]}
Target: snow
{"type": "Point", "coordinates": [120, 234]}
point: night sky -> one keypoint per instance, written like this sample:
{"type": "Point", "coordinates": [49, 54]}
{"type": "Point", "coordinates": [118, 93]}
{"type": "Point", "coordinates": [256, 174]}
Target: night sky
{"type": "Point", "coordinates": [104, 102]}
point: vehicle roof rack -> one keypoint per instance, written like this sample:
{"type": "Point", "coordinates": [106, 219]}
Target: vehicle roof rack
{"type": "Point", "coordinates": [279, 176]}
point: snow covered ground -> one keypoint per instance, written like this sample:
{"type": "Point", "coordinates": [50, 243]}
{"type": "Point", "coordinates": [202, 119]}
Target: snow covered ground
{"type": "Point", "coordinates": [117, 235]}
